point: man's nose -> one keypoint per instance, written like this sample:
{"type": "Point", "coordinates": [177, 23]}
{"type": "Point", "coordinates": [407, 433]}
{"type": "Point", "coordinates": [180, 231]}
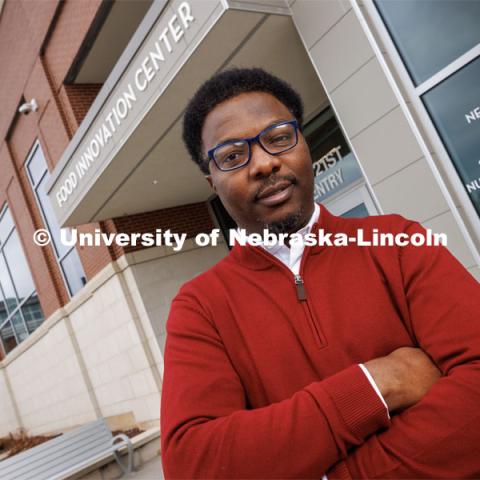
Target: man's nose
{"type": "Point", "coordinates": [262, 163]}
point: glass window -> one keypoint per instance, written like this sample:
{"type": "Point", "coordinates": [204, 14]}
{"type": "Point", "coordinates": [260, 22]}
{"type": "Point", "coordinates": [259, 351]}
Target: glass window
{"type": "Point", "coordinates": [20, 311]}
{"type": "Point", "coordinates": [322, 135]}
{"type": "Point", "coordinates": [7, 336]}
{"type": "Point", "coordinates": [18, 267]}
{"type": "Point", "coordinates": [359, 211]}
{"type": "Point", "coordinates": [32, 313]}
{"type": "Point", "coordinates": [3, 308]}
{"type": "Point", "coordinates": [37, 166]}
{"type": "Point", "coordinates": [334, 165]}
{"type": "Point", "coordinates": [6, 285]}
{"type": "Point", "coordinates": [19, 326]}
{"type": "Point", "coordinates": [454, 106]}
{"type": "Point", "coordinates": [6, 225]}
{"type": "Point", "coordinates": [67, 256]}
{"type": "Point", "coordinates": [73, 271]}
{"type": "Point", "coordinates": [430, 34]}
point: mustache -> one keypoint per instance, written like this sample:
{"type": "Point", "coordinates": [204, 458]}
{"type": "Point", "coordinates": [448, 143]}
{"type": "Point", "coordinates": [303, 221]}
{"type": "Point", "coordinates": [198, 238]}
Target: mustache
{"type": "Point", "coordinates": [273, 180]}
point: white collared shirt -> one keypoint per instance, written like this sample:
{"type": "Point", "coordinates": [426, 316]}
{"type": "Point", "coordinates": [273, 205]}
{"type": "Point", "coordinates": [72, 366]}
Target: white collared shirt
{"type": "Point", "coordinates": [292, 256]}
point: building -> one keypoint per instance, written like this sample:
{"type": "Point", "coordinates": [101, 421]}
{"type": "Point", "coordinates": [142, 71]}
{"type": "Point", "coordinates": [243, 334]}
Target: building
{"type": "Point", "coordinates": [92, 95]}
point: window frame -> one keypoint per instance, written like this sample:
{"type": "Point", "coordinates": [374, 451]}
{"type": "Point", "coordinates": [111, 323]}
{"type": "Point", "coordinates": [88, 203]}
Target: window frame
{"type": "Point", "coordinates": [422, 120]}
{"type": "Point", "coordinates": [18, 307]}
{"type": "Point", "coordinates": [31, 154]}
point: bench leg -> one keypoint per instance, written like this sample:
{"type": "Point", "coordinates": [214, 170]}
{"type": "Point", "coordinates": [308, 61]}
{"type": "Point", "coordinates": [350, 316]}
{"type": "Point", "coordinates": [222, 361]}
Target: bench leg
{"type": "Point", "coordinates": [118, 442]}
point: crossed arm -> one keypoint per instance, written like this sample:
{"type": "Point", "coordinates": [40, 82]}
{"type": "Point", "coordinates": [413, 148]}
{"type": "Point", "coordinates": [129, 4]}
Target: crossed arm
{"type": "Point", "coordinates": [208, 432]}
{"type": "Point", "coordinates": [440, 436]}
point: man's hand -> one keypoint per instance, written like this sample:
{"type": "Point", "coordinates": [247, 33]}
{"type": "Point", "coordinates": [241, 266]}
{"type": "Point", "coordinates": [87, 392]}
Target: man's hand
{"type": "Point", "coordinates": [403, 377]}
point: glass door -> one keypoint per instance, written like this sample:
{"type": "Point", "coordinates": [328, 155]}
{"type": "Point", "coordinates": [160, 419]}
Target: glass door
{"type": "Point", "coordinates": [355, 202]}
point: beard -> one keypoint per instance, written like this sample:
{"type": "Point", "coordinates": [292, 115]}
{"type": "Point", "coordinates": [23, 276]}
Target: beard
{"type": "Point", "coordinates": [289, 224]}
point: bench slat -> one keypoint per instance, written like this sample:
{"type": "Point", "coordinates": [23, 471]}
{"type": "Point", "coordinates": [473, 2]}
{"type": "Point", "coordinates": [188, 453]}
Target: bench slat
{"type": "Point", "coordinates": [79, 467]}
{"type": "Point", "coordinates": [32, 456]}
{"type": "Point", "coordinates": [60, 454]}
{"type": "Point", "coordinates": [92, 428]}
{"type": "Point", "coordinates": [59, 460]}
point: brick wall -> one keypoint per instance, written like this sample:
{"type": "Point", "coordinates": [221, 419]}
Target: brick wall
{"type": "Point", "coordinates": [23, 25]}
{"type": "Point", "coordinates": [80, 97]}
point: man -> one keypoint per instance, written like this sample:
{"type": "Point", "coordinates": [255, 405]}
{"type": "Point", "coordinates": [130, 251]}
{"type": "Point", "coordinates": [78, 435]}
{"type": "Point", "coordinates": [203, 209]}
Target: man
{"type": "Point", "coordinates": [284, 362]}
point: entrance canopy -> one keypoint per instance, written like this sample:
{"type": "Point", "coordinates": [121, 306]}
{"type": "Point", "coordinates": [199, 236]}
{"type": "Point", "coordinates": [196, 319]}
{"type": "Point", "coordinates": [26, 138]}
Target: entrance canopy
{"type": "Point", "coordinates": [127, 156]}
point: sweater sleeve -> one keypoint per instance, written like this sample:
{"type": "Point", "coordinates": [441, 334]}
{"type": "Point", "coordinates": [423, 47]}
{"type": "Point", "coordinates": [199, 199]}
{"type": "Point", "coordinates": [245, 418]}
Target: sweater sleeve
{"type": "Point", "coordinates": [209, 431]}
{"type": "Point", "coordinates": [439, 437]}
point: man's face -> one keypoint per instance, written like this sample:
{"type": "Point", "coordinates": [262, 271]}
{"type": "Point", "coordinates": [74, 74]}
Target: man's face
{"type": "Point", "coordinates": [274, 192]}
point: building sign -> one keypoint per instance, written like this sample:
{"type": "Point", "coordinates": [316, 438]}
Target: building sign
{"type": "Point", "coordinates": [333, 172]}
{"type": "Point", "coordinates": [454, 106]}
{"type": "Point", "coordinates": [334, 165]}
{"type": "Point", "coordinates": [152, 64]}
{"type": "Point", "coordinates": [167, 45]}
{"type": "Point", "coordinates": [172, 50]}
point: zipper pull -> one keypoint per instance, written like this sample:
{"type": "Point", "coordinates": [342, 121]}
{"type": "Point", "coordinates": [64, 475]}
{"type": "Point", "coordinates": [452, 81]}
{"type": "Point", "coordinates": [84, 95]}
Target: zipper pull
{"type": "Point", "coordinates": [301, 294]}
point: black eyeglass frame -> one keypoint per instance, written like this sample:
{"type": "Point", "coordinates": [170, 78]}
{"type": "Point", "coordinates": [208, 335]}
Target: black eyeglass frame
{"type": "Point", "coordinates": [211, 152]}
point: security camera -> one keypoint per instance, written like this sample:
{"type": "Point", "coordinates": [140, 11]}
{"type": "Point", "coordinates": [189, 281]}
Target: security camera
{"type": "Point", "coordinates": [27, 107]}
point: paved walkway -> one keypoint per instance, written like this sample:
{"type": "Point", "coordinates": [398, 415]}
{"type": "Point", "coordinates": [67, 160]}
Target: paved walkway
{"type": "Point", "coordinates": [152, 470]}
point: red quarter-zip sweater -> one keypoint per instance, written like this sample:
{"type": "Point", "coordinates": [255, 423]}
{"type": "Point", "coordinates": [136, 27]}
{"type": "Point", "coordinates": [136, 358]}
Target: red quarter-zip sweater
{"type": "Point", "coordinates": [263, 383]}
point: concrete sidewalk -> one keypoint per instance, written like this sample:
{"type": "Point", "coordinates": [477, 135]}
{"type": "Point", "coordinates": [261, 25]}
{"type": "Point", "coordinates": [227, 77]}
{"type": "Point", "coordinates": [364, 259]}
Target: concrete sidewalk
{"type": "Point", "coordinates": [151, 470]}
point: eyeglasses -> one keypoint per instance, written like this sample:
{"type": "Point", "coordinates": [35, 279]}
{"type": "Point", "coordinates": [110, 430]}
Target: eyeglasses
{"type": "Point", "coordinates": [275, 140]}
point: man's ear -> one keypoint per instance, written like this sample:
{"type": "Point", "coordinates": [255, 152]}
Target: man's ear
{"type": "Point", "coordinates": [209, 180]}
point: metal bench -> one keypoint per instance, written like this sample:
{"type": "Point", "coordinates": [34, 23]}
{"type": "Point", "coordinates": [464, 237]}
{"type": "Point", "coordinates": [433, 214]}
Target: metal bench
{"type": "Point", "coordinates": [69, 454]}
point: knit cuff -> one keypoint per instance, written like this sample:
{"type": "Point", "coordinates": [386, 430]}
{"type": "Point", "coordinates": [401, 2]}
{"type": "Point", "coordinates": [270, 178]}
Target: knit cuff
{"type": "Point", "coordinates": [357, 403]}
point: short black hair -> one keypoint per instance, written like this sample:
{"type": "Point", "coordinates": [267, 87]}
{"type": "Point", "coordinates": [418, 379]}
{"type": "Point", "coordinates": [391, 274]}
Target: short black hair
{"type": "Point", "coordinates": [223, 86]}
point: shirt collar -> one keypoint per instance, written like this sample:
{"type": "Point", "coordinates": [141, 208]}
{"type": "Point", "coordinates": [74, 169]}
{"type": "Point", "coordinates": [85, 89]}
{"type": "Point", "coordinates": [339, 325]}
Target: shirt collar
{"type": "Point", "coordinates": [303, 231]}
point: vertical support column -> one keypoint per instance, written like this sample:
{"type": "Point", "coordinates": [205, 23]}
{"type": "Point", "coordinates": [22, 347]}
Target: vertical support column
{"type": "Point", "coordinates": [83, 367]}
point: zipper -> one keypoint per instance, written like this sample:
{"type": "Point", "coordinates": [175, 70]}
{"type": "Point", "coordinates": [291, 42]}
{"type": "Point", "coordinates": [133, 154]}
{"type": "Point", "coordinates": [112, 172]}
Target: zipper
{"type": "Point", "coordinates": [302, 297]}
{"type": "Point", "coordinates": [301, 294]}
